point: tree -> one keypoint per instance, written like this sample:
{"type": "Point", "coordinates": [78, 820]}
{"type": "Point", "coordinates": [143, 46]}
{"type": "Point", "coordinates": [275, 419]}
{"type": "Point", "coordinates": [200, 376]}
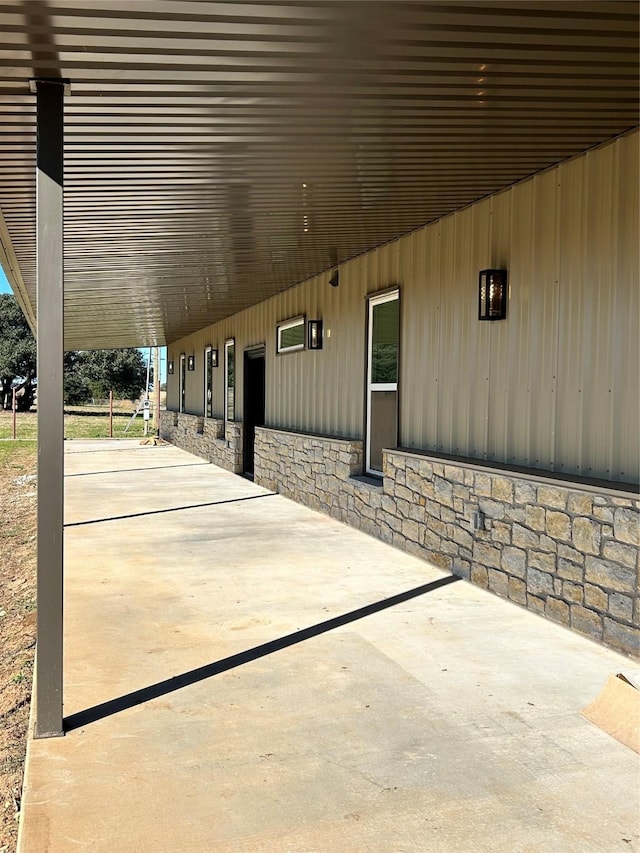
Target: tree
{"type": "Point", "coordinates": [17, 355]}
{"type": "Point", "coordinates": [93, 374]}
{"type": "Point", "coordinates": [77, 389]}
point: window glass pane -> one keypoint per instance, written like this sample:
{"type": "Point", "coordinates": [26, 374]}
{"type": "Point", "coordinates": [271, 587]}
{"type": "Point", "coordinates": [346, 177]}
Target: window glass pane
{"type": "Point", "coordinates": [183, 382]}
{"type": "Point", "coordinates": [384, 342]}
{"type": "Point", "coordinates": [209, 384]}
{"type": "Point", "coordinates": [293, 336]}
{"type": "Point", "coordinates": [384, 425]}
{"type": "Point", "coordinates": [231, 381]}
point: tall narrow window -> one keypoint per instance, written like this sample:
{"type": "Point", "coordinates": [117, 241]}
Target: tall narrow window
{"type": "Point", "coordinates": [230, 380]}
{"type": "Point", "coordinates": [382, 377]}
{"type": "Point", "coordinates": [208, 382]}
{"type": "Point", "coordinates": [183, 381]}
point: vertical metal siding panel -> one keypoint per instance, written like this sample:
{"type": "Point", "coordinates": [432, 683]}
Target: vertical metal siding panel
{"type": "Point", "coordinates": [522, 354]}
{"type": "Point", "coordinates": [465, 352]}
{"type": "Point", "coordinates": [217, 340]}
{"type": "Point", "coordinates": [288, 362]}
{"type": "Point", "coordinates": [498, 396]}
{"type": "Point", "coordinates": [447, 340]}
{"type": "Point", "coordinates": [306, 362]}
{"type": "Point", "coordinates": [623, 328]}
{"type": "Point", "coordinates": [596, 348]}
{"type": "Point", "coordinates": [290, 368]}
{"type": "Point", "coordinates": [573, 295]}
{"type": "Point", "coordinates": [543, 318]}
{"type": "Point", "coordinates": [430, 245]}
{"type": "Point", "coordinates": [414, 336]}
{"type": "Point", "coordinates": [481, 335]}
{"type": "Point", "coordinates": [193, 404]}
{"type": "Point", "coordinates": [350, 364]}
{"type": "Point", "coordinates": [172, 384]}
{"type": "Point", "coordinates": [507, 395]}
{"type": "Point", "coordinates": [464, 356]}
{"type": "Point", "coordinates": [267, 323]}
{"type": "Point", "coordinates": [329, 361]}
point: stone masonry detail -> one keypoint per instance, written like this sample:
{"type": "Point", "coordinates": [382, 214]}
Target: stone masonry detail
{"type": "Point", "coordinates": [569, 553]}
{"type": "Point", "coordinates": [205, 437]}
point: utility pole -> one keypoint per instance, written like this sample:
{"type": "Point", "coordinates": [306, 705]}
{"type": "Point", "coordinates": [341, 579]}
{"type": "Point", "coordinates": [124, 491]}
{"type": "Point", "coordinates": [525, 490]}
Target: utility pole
{"type": "Point", "coordinates": [146, 396]}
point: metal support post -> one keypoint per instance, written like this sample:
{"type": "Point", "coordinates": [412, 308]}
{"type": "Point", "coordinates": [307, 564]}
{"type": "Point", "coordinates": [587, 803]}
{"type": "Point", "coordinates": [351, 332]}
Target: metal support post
{"type": "Point", "coordinates": [49, 251]}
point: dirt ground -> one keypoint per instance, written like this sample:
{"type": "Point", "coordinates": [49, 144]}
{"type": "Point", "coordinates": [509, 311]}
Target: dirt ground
{"type": "Point", "coordinates": [17, 623]}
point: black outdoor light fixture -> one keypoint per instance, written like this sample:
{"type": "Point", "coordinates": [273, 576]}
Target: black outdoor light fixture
{"type": "Point", "coordinates": [191, 362]}
{"type": "Point", "coordinates": [492, 295]}
{"type": "Point", "coordinates": [314, 334]}
{"type": "Point", "coordinates": [169, 367]}
{"type": "Point", "coordinates": [213, 356]}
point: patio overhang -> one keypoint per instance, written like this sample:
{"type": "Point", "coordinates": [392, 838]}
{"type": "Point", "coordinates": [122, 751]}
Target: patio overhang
{"type": "Point", "coordinates": [218, 153]}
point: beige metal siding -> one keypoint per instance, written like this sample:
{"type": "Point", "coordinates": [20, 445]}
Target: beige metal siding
{"type": "Point", "coordinates": [555, 386]}
{"type": "Point", "coordinates": [597, 424]}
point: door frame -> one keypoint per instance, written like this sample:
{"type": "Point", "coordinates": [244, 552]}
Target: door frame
{"type": "Point", "coordinates": [373, 299]}
{"type": "Point", "coordinates": [255, 351]}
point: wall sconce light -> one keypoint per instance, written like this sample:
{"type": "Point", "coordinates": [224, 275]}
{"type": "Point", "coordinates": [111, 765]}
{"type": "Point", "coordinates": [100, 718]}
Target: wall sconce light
{"type": "Point", "coordinates": [213, 355]}
{"type": "Point", "coordinates": [334, 281]}
{"type": "Point", "coordinates": [492, 295]}
{"type": "Point", "coordinates": [169, 367]}
{"type": "Point", "coordinates": [314, 334]}
{"type": "Point", "coordinates": [191, 362]}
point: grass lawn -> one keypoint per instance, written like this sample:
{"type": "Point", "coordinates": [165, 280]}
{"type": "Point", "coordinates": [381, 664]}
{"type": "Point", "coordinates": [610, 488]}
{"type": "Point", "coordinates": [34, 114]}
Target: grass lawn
{"type": "Point", "coordinates": [17, 623]}
{"type": "Point", "coordinates": [87, 422]}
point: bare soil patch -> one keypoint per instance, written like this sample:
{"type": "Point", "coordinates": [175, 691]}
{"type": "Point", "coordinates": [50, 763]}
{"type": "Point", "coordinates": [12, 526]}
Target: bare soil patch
{"type": "Point", "coordinates": [17, 623]}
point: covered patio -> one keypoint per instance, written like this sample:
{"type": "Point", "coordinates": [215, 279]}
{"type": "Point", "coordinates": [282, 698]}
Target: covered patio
{"type": "Point", "coordinates": [243, 673]}
{"type": "Point", "coordinates": [165, 166]}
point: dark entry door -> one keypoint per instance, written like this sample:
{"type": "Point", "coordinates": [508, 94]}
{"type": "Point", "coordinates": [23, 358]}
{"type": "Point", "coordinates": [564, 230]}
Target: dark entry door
{"type": "Point", "coordinates": [253, 403]}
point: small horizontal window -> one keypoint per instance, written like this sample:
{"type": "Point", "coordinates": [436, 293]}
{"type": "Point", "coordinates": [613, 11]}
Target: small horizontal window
{"type": "Point", "coordinates": [291, 335]}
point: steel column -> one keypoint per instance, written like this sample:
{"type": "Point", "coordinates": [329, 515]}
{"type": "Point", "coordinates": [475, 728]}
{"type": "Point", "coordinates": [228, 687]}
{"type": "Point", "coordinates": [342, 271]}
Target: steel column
{"type": "Point", "coordinates": [49, 213]}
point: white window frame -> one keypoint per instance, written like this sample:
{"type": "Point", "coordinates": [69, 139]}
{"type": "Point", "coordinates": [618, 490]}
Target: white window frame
{"type": "Point", "coordinates": [230, 342]}
{"type": "Point", "coordinates": [388, 296]}
{"type": "Point", "coordinates": [182, 391]}
{"type": "Point", "coordinates": [207, 350]}
{"type": "Point", "coordinates": [290, 324]}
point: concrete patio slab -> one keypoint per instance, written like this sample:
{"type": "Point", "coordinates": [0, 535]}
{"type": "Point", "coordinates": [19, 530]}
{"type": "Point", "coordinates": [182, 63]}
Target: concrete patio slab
{"type": "Point", "coordinates": [206, 713]}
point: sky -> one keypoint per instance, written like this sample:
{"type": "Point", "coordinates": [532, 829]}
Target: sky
{"type": "Point", "coordinates": [4, 284]}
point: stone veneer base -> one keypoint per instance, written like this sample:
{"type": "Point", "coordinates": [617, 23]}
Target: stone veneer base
{"type": "Point", "coordinates": [208, 438]}
{"type": "Point", "coordinates": [568, 552]}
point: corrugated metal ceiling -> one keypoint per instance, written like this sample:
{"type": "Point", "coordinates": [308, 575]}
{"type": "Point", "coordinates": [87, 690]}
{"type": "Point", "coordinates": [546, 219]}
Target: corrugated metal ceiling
{"type": "Point", "coordinates": [217, 153]}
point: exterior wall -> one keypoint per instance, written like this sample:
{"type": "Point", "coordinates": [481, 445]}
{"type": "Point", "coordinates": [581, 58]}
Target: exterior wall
{"type": "Point", "coordinates": [207, 438]}
{"type": "Point", "coordinates": [568, 552]}
{"type": "Point", "coordinates": [553, 387]}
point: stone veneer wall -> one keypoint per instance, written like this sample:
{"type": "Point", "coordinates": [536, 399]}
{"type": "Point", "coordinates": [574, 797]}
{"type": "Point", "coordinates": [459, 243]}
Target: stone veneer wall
{"type": "Point", "coordinates": [205, 437]}
{"type": "Point", "coordinates": [568, 551]}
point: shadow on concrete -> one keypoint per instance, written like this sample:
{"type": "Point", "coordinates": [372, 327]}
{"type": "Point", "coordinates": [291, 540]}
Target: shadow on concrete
{"type": "Point", "coordinates": [129, 470]}
{"type": "Point", "coordinates": [168, 509]}
{"type": "Point", "coordinates": [129, 448]}
{"type": "Point", "coordinates": [162, 688]}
